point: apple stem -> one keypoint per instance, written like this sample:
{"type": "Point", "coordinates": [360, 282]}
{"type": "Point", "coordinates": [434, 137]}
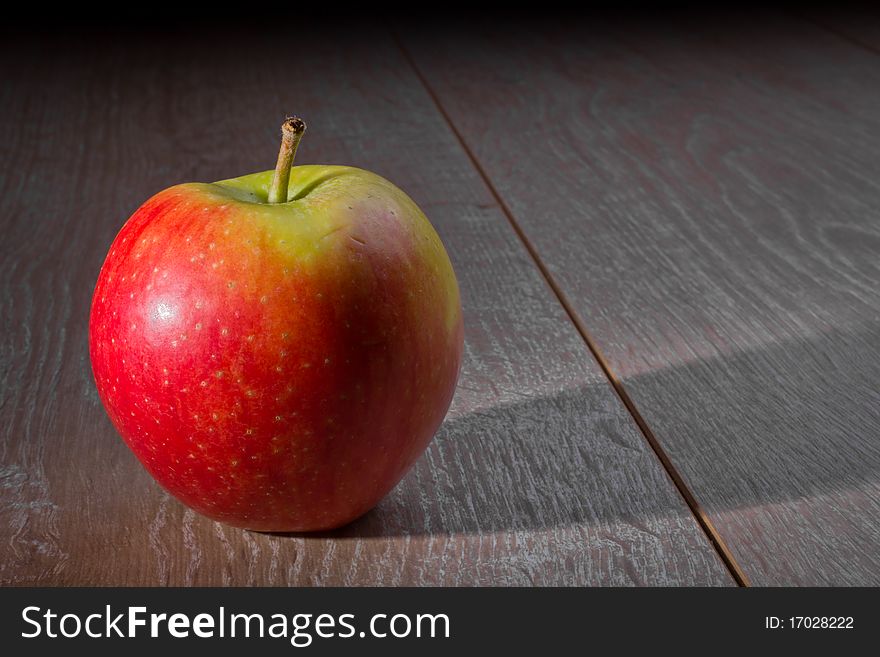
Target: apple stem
{"type": "Point", "coordinates": [291, 132]}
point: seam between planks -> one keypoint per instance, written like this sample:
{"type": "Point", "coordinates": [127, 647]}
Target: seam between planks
{"type": "Point", "coordinates": [853, 41]}
{"type": "Point", "coordinates": [705, 523]}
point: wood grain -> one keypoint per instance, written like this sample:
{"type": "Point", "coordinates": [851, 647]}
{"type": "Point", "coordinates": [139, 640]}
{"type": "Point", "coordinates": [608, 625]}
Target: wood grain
{"type": "Point", "coordinates": [705, 196]}
{"type": "Point", "coordinates": [539, 475]}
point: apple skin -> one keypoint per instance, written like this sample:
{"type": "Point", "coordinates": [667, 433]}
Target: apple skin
{"type": "Point", "coordinates": [278, 367]}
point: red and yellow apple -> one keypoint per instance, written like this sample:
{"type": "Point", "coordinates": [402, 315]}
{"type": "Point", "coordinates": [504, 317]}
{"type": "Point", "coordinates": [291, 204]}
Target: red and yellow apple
{"type": "Point", "coordinates": [278, 352]}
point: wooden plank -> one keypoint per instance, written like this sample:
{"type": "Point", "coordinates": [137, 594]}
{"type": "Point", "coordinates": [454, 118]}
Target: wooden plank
{"type": "Point", "coordinates": [539, 476]}
{"type": "Point", "coordinates": [705, 196]}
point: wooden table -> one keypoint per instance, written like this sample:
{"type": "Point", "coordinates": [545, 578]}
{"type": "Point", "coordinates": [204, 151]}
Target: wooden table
{"type": "Point", "coordinates": [668, 241]}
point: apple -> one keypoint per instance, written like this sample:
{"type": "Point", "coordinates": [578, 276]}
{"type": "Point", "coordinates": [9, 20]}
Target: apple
{"type": "Point", "coordinates": [278, 349]}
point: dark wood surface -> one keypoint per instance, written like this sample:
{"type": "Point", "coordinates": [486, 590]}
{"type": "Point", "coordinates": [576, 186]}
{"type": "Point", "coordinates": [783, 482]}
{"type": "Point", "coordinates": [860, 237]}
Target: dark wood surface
{"type": "Point", "coordinates": [705, 197]}
{"type": "Point", "coordinates": [538, 476]}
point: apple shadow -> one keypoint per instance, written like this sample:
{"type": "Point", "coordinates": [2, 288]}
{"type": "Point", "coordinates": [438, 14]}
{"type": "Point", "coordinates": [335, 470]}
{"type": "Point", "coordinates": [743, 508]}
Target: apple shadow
{"type": "Point", "coordinates": [797, 420]}
{"type": "Point", "coordinates": [782, 423]}
{"type": "Point", "coordinates": [570, 459]}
